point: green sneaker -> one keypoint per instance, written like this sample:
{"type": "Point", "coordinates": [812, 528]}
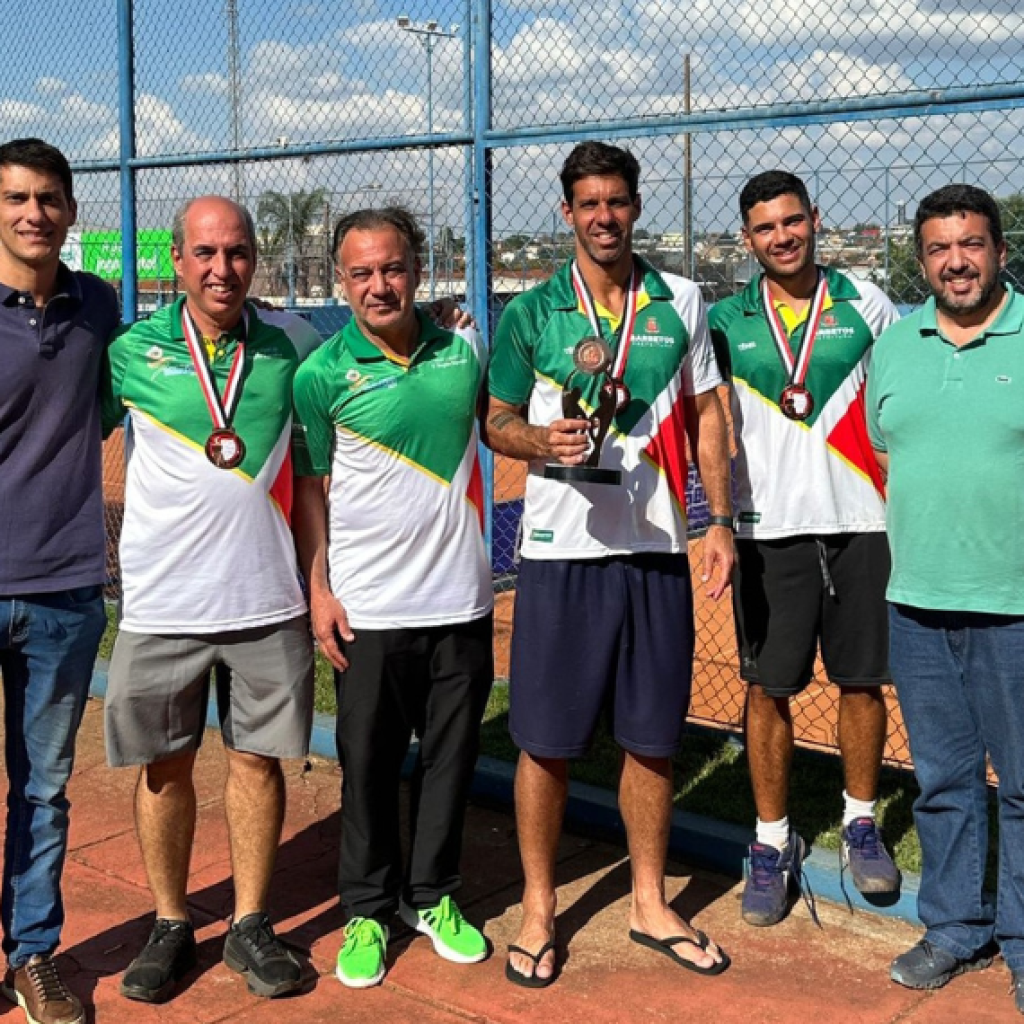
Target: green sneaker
{"type": "Point", "coordinates": [454, 938]}
{"type": "Point", "coordinates": [361, 960]}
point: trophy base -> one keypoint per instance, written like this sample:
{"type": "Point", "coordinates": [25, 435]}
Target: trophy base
{"type": "Point", "coordinates": [583, 474]}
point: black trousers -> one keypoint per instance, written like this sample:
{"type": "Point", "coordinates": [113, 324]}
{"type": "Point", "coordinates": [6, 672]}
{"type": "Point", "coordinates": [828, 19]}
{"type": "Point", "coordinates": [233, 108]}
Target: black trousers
{"type": "Point", "coordinates": [433, 682]}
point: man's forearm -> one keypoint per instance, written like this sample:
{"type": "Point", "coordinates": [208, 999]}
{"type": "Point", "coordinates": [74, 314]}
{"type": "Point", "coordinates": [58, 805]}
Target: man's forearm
{"type": "Point", "coordinates": [507, 433]}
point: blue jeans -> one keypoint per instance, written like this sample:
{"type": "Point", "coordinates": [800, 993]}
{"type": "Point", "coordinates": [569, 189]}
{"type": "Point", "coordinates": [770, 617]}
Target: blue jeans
{"type": "Point", "coordinates": [48, 645]}
{"type": "Point", "coordinates": [960, 681]}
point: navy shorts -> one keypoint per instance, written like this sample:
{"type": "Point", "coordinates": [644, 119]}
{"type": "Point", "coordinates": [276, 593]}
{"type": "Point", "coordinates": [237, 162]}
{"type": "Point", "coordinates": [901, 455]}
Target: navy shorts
{"type": "Point", "coordinates": [590, 634]}
{"type": "Point", "coordinates": [790, 595]}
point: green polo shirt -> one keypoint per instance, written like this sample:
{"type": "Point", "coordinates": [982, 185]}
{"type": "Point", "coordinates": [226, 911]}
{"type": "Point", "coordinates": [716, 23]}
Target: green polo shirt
{"type": "Point", "coordinates": [952, 421]}
{"type": "Point", "coordinates": [398, 439]}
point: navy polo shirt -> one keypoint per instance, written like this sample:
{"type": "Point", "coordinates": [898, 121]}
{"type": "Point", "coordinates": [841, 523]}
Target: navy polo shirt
{"type": "Point", "coordinates": [51, 475]}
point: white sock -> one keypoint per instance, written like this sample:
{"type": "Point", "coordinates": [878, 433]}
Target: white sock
{"type": "Point", "coordinates": [854, 808]}
{"type": "Point", "coordinates": [773, 833]}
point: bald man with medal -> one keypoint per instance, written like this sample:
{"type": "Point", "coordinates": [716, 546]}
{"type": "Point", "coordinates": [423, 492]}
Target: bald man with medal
{"type": "Point", "coordinates": [210, 582]}
{"type": "Point", "coordinates": [812, 558]}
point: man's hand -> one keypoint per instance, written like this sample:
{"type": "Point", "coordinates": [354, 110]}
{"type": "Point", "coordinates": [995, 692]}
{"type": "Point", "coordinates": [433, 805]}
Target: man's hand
{"type": "Point", "coordinates": [568, 441]}
{"type": "Point", "coordinates": [447, 313]}
{"type": "Point", "coordinates": [330, 621]}
{"type": "Point", "coordinates": [719, 557]}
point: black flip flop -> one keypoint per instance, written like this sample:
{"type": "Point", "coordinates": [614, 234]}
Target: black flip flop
{"type": "Point", "coordinates": [531, 980]}
{"type": "Point", "coordinates": [666, 946]}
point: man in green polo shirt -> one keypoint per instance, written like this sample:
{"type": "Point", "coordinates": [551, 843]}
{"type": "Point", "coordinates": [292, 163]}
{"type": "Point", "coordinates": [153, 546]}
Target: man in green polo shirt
{"type": "Point", "coordinates": [946, 415]}
{"type": "Point", "coordinates": [400, 588]}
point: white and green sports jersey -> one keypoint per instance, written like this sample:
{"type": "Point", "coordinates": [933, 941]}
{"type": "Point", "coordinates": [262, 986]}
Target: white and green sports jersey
{"type": "Point", "coordinates": [203, 549]}
{"type": "Point", "coordinates": [819, 475]}
{"type": "Point", "coordinates": [670, 361]}
{"type": "Point", "coordinates": [399, 442]}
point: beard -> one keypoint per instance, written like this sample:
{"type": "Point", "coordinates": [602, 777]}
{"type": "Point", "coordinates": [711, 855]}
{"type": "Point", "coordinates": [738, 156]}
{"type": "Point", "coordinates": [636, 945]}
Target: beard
{"type": "Point", "coordinates": [968, 304]}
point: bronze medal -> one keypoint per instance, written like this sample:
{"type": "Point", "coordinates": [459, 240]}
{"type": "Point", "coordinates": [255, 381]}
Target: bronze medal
{"type": "Point", "coordinates": [796, 402]}
{"type": "Point", "coordinates": [225, 449]}
{"type": "Point", "coordinates": [592, 356]}
{"type": "Point", "coordinates": [618, 390]}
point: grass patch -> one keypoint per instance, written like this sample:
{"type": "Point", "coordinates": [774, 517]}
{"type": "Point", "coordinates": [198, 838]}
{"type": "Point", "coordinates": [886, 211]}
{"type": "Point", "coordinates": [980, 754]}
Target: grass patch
{"type": "Point", "coordinates": [709, 774]}
{"type": "Point", "coordinates": [711, 778]}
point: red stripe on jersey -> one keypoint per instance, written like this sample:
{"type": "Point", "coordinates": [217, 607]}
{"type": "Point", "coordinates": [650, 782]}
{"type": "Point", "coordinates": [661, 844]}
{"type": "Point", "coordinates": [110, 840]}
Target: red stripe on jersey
{"type": "Point", "coordinates": [849, 438]}
{"type": "Point", "coordinates": [282, 488]}
{"type": "Point", "coordinates": [475, 490]}
{"type": "Point", "coordinates": [667, 450]}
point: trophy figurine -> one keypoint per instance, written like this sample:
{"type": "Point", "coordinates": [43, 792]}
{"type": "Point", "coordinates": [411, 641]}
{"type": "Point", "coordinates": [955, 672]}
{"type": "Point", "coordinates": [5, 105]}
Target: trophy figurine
{"type": "Point", "coordinates": [591, 357]}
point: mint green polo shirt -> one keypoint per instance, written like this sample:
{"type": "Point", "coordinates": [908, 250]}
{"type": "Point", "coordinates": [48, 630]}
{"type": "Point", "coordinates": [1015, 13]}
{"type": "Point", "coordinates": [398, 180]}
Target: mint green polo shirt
{"type": "Point", "coordinates": [952, 422]}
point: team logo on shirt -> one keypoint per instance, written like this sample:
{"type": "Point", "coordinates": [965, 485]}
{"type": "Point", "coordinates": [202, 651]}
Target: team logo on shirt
{"type": "Point", "coordinates": [356, 379]}
{"type": "Point", "coordinates": [651, 326]}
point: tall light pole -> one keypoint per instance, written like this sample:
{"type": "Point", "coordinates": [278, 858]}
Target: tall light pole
{"type": "Point", "coordinates": [234, 93]}
{"type": "Point", "coordinates": [427, 32]}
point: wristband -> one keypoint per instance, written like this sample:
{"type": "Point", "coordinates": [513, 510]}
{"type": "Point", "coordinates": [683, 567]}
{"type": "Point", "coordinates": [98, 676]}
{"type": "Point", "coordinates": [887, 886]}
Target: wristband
{"type": "Point", "coordinates": [726, 521]}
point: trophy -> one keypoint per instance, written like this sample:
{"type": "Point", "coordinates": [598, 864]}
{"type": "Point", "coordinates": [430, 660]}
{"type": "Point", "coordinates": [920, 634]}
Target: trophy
{"type": "Point", "coordinates": [591, 357]}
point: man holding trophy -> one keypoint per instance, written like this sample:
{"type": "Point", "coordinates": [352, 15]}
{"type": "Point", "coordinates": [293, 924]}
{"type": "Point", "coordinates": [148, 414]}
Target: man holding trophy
{"type": "Point", "coordinates": [597, 377]}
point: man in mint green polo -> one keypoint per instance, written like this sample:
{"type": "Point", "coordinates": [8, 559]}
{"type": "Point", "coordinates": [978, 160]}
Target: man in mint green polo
{"type": "Point", "coordinates": [400, 589]}
{"type": "Point", "coordinates": [946, 415]}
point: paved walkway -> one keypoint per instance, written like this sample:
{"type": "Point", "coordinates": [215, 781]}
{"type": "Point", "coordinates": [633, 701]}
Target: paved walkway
{"type": "Point", "coordinates": [791, 973]}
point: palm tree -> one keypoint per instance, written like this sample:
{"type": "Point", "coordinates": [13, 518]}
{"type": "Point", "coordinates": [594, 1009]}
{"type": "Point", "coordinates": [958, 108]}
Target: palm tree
{"type": "Point", "coordinates": [285, 221]}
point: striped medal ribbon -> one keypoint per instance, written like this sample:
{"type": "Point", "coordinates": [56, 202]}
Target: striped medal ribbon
{"type": "Point", "coordinates": [796, 402]}
{"type": "Point", "coordinates": [623, 336]}
{"type": "Point", "coordinates": [224, 448]}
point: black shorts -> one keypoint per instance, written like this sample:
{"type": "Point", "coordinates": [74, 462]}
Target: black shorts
{"type": "Point", "coordinates": [784, 608]}
{"type": "Point", "coordinates": [589, 634]}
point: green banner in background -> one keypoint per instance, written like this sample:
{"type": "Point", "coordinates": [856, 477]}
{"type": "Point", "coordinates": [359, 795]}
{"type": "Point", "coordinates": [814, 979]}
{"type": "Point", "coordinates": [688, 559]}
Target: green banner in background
{"type": "Point", "coordinates": [101, 254]}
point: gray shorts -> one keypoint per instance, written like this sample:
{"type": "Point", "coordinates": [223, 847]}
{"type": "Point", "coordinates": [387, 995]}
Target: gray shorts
{"type": "Point", "coordinates": [158, 689]}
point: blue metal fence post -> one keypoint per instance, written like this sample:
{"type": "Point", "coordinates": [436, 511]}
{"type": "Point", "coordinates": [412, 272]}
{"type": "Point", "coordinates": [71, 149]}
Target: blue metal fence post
{"type": "Point", "coordinates": [482, 221]}
{"type": "Point", "coordinates": [126, 122]}
{"type": "Point", "coordinates": [469, 242]}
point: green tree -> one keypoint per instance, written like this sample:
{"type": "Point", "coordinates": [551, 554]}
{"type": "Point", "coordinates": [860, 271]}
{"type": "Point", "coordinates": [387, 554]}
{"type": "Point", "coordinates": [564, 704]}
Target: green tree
{"type": "Point", "coordinates": [285, 223]}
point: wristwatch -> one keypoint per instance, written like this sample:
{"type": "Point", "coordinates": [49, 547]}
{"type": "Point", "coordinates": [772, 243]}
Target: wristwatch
{"type": "Point", "coordinates": [726, 521]}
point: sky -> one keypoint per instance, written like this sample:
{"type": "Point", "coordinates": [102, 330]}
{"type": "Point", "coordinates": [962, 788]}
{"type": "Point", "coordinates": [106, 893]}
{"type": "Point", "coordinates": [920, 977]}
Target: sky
{"type": "Point", "coordinates": [320, 70]}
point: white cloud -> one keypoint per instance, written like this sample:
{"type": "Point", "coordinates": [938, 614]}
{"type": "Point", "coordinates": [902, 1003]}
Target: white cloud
{"type": "Point", "coordinates": [47, 84]}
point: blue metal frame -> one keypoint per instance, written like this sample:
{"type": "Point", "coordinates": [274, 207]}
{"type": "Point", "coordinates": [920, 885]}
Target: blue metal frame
{"type": "Point", "coordinates": [479, 138]}
{"type": "Point", "coordinates": [126, 112]}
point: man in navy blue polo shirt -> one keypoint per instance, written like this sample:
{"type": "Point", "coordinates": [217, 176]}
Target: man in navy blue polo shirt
{"type": "Point", "coordinates": [53, 328]}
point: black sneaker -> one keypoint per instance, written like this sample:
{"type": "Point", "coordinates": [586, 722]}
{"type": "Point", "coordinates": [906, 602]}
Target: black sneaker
{"type": "Point", "coordinates": [252, 949]}
{"type": "Point", "coordinates": [925, 966]}
{"type": "Point", "coordinates": [169, 954]}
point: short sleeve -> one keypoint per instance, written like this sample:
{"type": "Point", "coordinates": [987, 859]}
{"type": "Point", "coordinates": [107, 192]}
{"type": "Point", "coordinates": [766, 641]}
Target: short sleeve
{"type": "Point", "coordinates": [313, 423]}
{"type": "Point", "coordinates": [510, 374]}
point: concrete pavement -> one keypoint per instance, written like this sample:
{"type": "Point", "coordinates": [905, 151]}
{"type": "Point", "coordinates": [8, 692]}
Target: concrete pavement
{"type": "Point", "coordinates": [793, 972]}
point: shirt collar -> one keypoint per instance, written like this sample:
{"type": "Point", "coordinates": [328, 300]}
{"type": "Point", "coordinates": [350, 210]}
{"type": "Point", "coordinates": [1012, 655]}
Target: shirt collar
{"type": "Point", "coordinates": [65, 285]}
{"type": "Point", "coordinates": [178, 331]}
{"type": "Point", "coordinates": [1009, 321]}
{"type": "Point", "coordinates": [840, 289]}
{"type": "Point", "coordinates": [563, 295]}
{"type": "Point", "coordinates": [366, 351]}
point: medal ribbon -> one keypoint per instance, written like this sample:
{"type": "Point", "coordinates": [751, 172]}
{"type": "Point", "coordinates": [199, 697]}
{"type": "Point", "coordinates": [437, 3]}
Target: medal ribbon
{"type": "Point", "coordinates": [796, 368]}
{"type": "Point", "coordinates": [624, 335]}
{"type": "Point", "coordinates": [222, 410]}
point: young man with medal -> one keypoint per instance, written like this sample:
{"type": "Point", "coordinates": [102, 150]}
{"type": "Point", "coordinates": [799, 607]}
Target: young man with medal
{"type": "Point", "coordinates": [604, 612]}
{"type": "Point", "coordinates": [946, 417]}
{"type": "Point", "coordinates": [209, 579]}
{"type": "Point", "coordinates": [812, 558]}
{"type": "Point", "coordinates": [54, 326]}
{"type": "Point", "coordinates": [400, 589]}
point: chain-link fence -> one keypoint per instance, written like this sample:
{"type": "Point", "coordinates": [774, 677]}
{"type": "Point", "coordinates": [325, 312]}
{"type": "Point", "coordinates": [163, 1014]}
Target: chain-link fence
{"type": "Point", "coordinates": [464, 112]}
